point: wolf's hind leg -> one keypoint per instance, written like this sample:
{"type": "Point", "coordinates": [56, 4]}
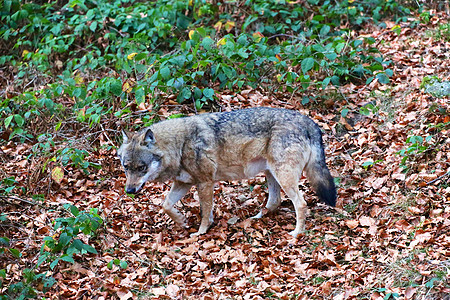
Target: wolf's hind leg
{"type": "Point", "coordinates": [288, 179]}
{"type": "Point", "coordinates": [205, 194]}
{"type": "Point", "coordinates": [177, 192]}
{"type": "Point", "coordinates": [274, 196]}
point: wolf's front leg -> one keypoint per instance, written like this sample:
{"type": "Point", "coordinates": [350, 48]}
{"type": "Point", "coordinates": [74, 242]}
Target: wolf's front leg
{"type": "Point", "coordinates": [205, 193]}
{"type": "Point", "coordinates": [177, 192]}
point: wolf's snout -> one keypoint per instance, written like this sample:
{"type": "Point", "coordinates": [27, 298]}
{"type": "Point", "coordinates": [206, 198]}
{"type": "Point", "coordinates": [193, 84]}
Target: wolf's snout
{"type": "Point", "coordinates": [131, 190]}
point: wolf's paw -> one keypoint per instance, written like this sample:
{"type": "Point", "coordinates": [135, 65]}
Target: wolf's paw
{"type": "Point", "coordinates": [257, 216]}
{"type": "Point", "coordinates": [295, 233]}
{"type": "Point", "coordinates": [195, 234]}
{"type": "Point", "coordinates": [261, 213]}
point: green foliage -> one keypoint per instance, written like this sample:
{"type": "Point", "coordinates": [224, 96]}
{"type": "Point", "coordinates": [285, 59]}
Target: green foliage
{"type": "Point", "coordinates": [67, 244]}
{"type": "Point", "coordinates": [117, 262]}
{"type": "Point", "coordinates": [417, 145]}
{"type": "Point", "coordinates": [75, 157]}
{"type": "Point", "coordinates": [53, 251]}
{"type": "Point", "coordinates": [7, 185]}
{"type": "Point", "coordinates": [104, 34]}
{"type": "Point", "coordinates": [443, 32]}
{"type": "Point", "coordinates": [176, 47]}
{"type": "Point", "coordinates": [26, 289]}
{"type": "Point", "coordinates": [370, 163]}
{"type": "Point", "coordinates": [368, 109]}
{"type": "Point", "coordinates": [68, 155]}
{"type": "Point", "coordinates": [425, 17]}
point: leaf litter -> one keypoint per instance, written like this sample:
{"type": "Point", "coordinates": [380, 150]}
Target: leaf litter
{"type": "Point", "coordinates": [389, 235]}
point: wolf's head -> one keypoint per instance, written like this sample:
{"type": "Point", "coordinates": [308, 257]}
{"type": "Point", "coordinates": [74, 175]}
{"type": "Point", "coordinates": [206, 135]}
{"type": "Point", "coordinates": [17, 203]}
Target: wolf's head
{"type": "Point", "coordinates": [140, 158]}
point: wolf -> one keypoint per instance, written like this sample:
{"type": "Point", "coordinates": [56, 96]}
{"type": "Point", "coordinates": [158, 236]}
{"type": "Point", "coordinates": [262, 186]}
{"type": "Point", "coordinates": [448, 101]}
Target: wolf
{"type": "Point", "coordinates": [203, 149]}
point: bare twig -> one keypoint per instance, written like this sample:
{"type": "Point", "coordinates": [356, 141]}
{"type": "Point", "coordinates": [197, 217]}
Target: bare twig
{"type": "Point", "coordinates": [439, 178]}
{"type": "Point", "coordinates": [5, 198]}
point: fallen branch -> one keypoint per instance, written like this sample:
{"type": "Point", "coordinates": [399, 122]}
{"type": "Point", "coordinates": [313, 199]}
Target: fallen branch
{"type": "Point", "coordinates": [439, 178]}
{"type": "Point", "coordinates": [5, 198]}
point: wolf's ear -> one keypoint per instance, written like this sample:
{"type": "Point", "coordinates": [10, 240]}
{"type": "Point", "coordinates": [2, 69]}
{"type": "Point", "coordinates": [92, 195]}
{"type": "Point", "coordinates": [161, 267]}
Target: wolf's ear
{"type": "Point", "coordinates": [149, 138]}
{"type": "Point", "coordinates": [126, 136]}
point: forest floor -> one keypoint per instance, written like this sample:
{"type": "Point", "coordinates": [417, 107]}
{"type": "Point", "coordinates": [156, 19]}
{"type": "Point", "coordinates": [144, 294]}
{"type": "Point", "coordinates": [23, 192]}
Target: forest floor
{"type": "Point", "coordinates": [389, 238]}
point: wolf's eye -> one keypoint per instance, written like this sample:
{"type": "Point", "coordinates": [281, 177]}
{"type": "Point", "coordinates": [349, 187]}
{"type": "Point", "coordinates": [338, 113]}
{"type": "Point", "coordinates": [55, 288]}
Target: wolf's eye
{"type": "Point", "coordinates": [125, 167]}
{"type": "Point", "coordinates": [142, 168]}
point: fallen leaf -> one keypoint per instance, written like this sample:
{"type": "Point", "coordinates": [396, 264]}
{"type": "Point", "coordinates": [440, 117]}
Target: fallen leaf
{"type": "Point", "coordinates": [352, 224]}
{"type": "Point", "coordinates": [410, 291]}
{"type": "Point", "coordinates": [172, 290]}
{"type": "Point", "coordinates": [124, 295]}
{"type": "Point", "coordinates": [57, 174]}
{"type": "Point", "coordinates": [366, 221]}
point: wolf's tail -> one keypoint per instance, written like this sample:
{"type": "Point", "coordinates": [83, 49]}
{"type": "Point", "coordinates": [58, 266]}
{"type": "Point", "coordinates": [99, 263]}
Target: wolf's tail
{"type": "Point", "coordinates": [319, 176]}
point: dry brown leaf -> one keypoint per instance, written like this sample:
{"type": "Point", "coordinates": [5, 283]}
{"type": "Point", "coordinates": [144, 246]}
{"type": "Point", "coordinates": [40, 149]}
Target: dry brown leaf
{"type": "Point", "coordinates": [352, 224]}
{"type": "Point", "coordinates": [366, 221]}
{"type": "Point", "coordinates": [124, 295]}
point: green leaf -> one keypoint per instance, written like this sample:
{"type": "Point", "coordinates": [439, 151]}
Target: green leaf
{"type": "Point", "coordinates": [208, 93]}
{"type": "Point", "coordinates": [186, 93]}
{"type": "Point", "coordinates": [207, 42]}
{"type": "Point", "coordinates": [183, 22]}
{"type": "Point", "coordinates": [344, 112]}
{"type": "Point", "coordinates": [140, 95]}
{"type": "Point", "coordinates": [116, 87]}
{"type": "Point", "coordinates": [242, 40]}
{"type": "Point", "coordinates": [4, 241]}
{"type": "Point", "coordinates": [110, 265]}
{"type": "Point", "coordinates": [389, 72]}
{"type": "Point", "coordinates": [242, 53]}
{"type": "Point", "coordinates": [89, 248]}
{"type": "Point", "coordinates": [140, 56]}
{"type": "Point", "coordinates": [16, 253]}
{"type": "Point", "coordinates": [165, 73]}
{"type": "Point", "coordinates": [54, 263]}
{"type": "Point", "coordinates": [7, 121]}
{"type": "Point", "coordinates": [335, 80]}
{"type": "Point", "coordinates": [307, 64]}
{"type": "Point", "coordinates": [364, 111]}
{"type": "Point", "coordinates": [77, 244]}
{"type": "Point", "coordinates": [64, 239]}
{"type": "Point", "coordinates": [367, 164]}
{"type": "Point", "coordinates": [357, 43]}
{"type": "Point", "coordinates": [19, 120]}
{"type": "Point", "coordinates": [41, 259]}
{"type": "Point", "coordinates": [326, 82]}
{"type": "Point", "coordinates": [74, 210]}
{"type": "Point", "coordinates": [197, 93]}
{"type": "Point", "coordinates": [123, 264]}
{"type": "Point", "coordinates": [67, 258]}
{"type": "Point", "coordinates": [382, 78]}
{"type": "Point", "coordinates": [331, 56]}
{"type": "Point", "coordinates": [339, 47]}
{"type": "Point", "coordinates": [93, 26]}
{"type": "Point", "coordinates": [198, 104]}
{"type": "Point", "coordinates": [324, 30]}
{"type": "Point", "coordinates": [430, 284]}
